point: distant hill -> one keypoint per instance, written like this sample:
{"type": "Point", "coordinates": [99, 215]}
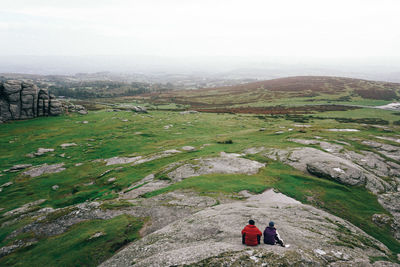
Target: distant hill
{"type": "Point", "coordinates": [306, 89]}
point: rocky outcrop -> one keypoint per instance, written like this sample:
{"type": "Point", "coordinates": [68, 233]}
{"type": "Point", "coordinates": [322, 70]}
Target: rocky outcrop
{"type": "Point", "coordinates": [362, 168]}
{"type": "Point", "coordinates": [211, 237]}
{"type": "Point", "coordinates": [71, 107]}
{"type": "Point", "coordinates": [44, 169]}
{"type": "Point", "coordinates": [23, 100]}
{"type": "Point", "coordinates": [139, 109]}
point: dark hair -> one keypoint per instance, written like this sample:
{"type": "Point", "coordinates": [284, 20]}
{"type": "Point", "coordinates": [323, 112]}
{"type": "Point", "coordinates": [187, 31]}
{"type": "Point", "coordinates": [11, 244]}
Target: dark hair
{"type": "Point", "coordinates": [251, 222]}
{"type": "Point", "coordinates": [271, 224]}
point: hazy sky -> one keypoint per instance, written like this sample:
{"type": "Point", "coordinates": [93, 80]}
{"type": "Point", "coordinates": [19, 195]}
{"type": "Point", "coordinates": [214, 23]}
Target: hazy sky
{"type": "Point", "coordinates": [197, 28]}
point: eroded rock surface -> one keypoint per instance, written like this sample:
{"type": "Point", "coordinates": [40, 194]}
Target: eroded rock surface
{"type": "Point", "coordinates": [44, 169]}
{"type": "Point", "coordinates": [389, 151]}
{"type": "Point", "coordinates": [139, 159]}
{"type": "Point", "coordinates": [321, 164]}
{"type": "Point", "coordinates": [213, 234]}
{"type": "Point", "coordinates": [226, 163]}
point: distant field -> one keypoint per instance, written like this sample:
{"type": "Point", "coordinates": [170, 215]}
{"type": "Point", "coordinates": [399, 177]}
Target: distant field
{"type": "Point", "coordinates": [286, 91]}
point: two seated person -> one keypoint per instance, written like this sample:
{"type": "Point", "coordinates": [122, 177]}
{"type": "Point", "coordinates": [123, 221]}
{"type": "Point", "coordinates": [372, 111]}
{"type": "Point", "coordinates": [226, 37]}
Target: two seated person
{"type": "Point", "coordinates": [251, 235]}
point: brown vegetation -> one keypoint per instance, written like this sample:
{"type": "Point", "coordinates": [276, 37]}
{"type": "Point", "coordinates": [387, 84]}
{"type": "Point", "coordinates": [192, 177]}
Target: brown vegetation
{"type": "Point", "coordinates": [279, 109]}
{"type": "Point", "coordinates": [282, 88]}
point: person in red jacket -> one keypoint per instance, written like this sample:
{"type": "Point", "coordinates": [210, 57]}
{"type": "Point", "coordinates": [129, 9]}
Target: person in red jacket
{"type": "Point", "coordinates": [251, 234]}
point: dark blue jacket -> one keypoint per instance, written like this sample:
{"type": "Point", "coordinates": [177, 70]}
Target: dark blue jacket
{"type": "Point", "coordinates": [270, 235]}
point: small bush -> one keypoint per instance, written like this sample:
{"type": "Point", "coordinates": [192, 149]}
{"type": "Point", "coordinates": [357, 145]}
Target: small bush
{"type": "Point", "coordinates": [225, 141]}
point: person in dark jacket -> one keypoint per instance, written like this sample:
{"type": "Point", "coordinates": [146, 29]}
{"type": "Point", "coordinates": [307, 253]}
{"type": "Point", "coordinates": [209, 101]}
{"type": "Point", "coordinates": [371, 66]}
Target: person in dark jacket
{"type": "Point", "coordinates": [271, 235]}
{"type": "Point", "coordinates": [251, 235]}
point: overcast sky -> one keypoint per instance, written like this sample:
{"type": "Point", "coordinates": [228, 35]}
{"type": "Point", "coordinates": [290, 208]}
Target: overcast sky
{"type": "Point", "coordinates": [314, 29]}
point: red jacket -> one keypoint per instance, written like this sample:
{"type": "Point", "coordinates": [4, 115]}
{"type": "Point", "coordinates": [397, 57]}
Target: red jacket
{"type": "Point", "coordinates": [251, 232]}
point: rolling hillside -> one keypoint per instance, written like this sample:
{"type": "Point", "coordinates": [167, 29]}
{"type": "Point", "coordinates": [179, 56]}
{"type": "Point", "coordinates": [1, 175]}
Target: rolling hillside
{"type": "Point", "coordinates": [286, 91]}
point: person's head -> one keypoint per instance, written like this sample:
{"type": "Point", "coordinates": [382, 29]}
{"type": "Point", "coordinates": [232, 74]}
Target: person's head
{"type": "Point", "coordinates": [251, 222]}
{"type": "Point", "coordinates": [271, 224]}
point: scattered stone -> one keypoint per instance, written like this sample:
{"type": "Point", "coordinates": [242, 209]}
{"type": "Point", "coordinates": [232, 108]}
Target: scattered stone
{"type": "Point", "coordinates": [188, 112]}
{"type": "Point", "coordinates": [166, 127]}
{"type": "Point", "coordinates": [6, 184]}
{"type": "Point", "coordinates": [19, 167]}
{"type": "Point", "coordinates": [205, 145]}
{"type": "Point", "coordinates": [302, 125]}
{"type": "Point", "coordinates": [42, 151]}
{"type": "Point", "coordinates": [279, 132]}
{"type": "Point", "coordinates": [55, 187]}
{"type": "Point", "coordinates": [188, 148]}
{"type": "Point", "coordinates": [112, 179]}
{"type": "Point", "coordinates": [44, 169]}
{"type": "Point", "coordinates": [96, 235]}
{"type": "Point", "coordinates": [391, 106]}
{"type": "Point", "coordinates": [62, 155]}
{"type": "Point", "coordinates": [125, 120]}
{"type": "Point", "coordinates": [121, 160]}
{"type": "Point", "coordinates": [343, 130]}
{"type": "Point", "coordinates": [139, 109]}
{"type": "Point", "coordinates": [171, 151]}
{"type": "Point", "coordinates": [262, 129]}
{"type": "Point", "coordinates": [104, 173]}
{"type": "Point", "coordinates": [25, 208]}
{"type": "Point", "coordinates": [85, 122]}
{"type": "Point", "coordinates": [67, 145]}
{"type": "Point", "coordinates": [83, 112]}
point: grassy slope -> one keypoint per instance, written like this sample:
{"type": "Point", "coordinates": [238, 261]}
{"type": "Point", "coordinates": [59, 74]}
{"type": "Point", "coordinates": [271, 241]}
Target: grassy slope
{"type": "Point", "coordinates": [108, 136]}
{"type": "Point", "coordinates": [76, 247]}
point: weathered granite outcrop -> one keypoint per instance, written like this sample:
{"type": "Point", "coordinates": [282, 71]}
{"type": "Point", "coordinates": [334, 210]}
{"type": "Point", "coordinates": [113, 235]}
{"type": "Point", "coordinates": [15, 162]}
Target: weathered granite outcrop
{"type": "Point", "coordinates": [211, 237]}
{"type": "Point", "coordinates": [23, 100]}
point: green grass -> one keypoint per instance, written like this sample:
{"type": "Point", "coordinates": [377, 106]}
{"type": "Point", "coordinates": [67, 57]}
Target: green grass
{"type": "Point", "coordinates": [106, 136]}
{"type": "Point", "coordinates": [75, 248]}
